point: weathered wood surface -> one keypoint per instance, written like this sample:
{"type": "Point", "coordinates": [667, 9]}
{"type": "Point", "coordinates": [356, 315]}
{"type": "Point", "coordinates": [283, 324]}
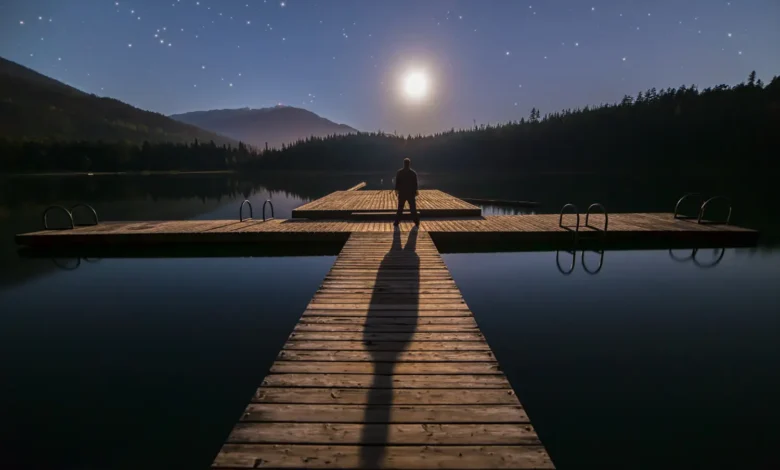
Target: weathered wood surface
{"type": "Point", "coordinates": [385, 369]}
{"type": "Point", "coordinates": [357, 186]}
{"type": "Point", "coordinates": [342, 204]}
{"type": "Point", "coordinates": [524, 230]}
{"type": "Point", "coordinates": [417, 457]}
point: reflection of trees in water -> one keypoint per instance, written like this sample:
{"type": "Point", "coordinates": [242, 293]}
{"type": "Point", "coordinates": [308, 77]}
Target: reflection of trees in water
{"type": "Point", "coordinates": [98, 189]}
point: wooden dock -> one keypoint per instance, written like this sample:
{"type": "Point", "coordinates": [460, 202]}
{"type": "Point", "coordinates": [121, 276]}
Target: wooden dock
{"type": "Point", "coordinates": [522, 231]}
{"type": "Point", "coordinates": [386, 368]}
{"type": "Point", "coordinates": [354, 204]}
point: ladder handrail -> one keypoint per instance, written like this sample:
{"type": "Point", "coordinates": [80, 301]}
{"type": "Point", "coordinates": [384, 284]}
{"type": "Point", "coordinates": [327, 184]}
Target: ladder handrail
{"type": "Point", "coordinates": [268, 201]}
{"type": "Point", "coordinates": [46, 214]}
{"type": "Point", "coordinates": [601, 262]}
{"type": "Point", "coordinates": [715, 198]}
{"type": "Point", "coordinates": [606, 216]}
{"type": "Point", "coordinates": [573, 261]}
{"type": "Point", "coordinates": [86, 206]}
{"type": "Point", "coordinates": [241, 211]}
{"type": "Point", "coordinates": [679, 201]}
{"type": "Point", "coordinates": [577, 212]}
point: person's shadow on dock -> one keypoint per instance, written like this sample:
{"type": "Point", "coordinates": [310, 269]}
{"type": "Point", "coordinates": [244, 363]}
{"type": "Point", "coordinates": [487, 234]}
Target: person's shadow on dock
{"type": "Point", "coordinates": [397, 283]}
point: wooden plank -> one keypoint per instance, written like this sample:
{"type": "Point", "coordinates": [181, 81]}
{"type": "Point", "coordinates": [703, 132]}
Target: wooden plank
{"type": "Point", "coordinates": [379, 337]}
{"type": "Point", "coordinates": [430, 368]}
{"type": "Point", "coordinates": [390, 457]}
{"type": "Point", "coordinates": [385, 321]}
{"type": "Point", "coordinates": [282, 413]}
{"type": "Point", "coordinates": [386, 381]}
{"type": "Point", "coordinates": [358, 396]}
{"type": "Point", "coordinates": [383, 434]}
{"type": "Point", "coordinates": [387, 356]}
{"type": "Point", "coordinates": [357, 186]}
{"type": "Point", "coordinates": [369, 345]}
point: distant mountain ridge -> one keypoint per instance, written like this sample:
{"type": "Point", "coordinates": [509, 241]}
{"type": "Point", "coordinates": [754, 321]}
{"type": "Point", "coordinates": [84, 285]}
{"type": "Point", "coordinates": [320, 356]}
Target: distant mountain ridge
{"type": "Point", "coordinates": [276, 126]}
{"type": "Point", "coordinates": [34, 107]}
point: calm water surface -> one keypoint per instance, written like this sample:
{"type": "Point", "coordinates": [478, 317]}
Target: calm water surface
{"type": "Point", "coordinates": [656, 360]}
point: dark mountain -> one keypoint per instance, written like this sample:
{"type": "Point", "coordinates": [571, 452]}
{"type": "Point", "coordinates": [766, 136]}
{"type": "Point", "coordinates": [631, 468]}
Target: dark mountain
{"type": "Point", "coordinates": [278, 125]}
{"type": "Point", "coordinates": [34, 107]}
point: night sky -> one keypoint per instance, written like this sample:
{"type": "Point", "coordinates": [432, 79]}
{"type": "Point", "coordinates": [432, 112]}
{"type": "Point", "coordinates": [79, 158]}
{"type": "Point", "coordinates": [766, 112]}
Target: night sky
{"type": "Point", "coordinates": [489, 61]}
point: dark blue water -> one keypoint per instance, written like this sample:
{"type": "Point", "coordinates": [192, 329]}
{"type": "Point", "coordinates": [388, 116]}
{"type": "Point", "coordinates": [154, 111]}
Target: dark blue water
{"type": "Point", "coordinates": [123, 363]}
{"type": "Point", "coordinates": [651, 363]}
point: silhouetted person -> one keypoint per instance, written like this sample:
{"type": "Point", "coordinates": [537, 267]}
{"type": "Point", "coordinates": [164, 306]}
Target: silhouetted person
{"type": "Point", "coordinates": [406, 189]}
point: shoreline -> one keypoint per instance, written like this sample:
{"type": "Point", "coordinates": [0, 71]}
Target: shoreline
{"type": "Point", "coordinates": [119, 173]}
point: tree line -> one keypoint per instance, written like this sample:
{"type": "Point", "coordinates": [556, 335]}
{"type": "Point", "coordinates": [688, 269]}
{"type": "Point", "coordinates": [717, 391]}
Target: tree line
{"type": "Point", "coordinates": [673, 130]}
{"type": "Point", "coordinates": [84, 156]}
{"type": "Point", "coordinates": [683, 129]}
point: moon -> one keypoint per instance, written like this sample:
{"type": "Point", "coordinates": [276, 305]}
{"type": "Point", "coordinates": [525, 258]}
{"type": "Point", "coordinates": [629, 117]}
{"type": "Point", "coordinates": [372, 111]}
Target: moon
{"type": "Point", "coordinates": [416, 85]}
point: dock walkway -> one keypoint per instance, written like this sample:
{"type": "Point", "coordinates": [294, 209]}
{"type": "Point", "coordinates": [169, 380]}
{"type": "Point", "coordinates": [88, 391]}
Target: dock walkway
{"type": "Point", "coordinates": [352, 204]}
{"type": "Point", "coordinates": [386, 368]}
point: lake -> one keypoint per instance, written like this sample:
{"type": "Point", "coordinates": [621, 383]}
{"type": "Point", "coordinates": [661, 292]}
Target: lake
{"type": "Point", "coordinates": [637, 359]}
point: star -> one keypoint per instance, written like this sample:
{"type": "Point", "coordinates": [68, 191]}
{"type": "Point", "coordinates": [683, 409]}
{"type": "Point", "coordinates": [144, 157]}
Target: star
{"type": "Point", "coordinates": [576, 44]}
{"type": "Point", "coordinates": [624, 59]}
{"type": "Point", "coordinates": [729, 35]}
{"type": "Point", "coordinates": [130, 45]}
{"type": "Point", "coordinates": [507, 52]}
{"type": "Point", "coordinates": [283, 4]}
{"type": "Point", "coordinates": [740, 52]}
{"type": "Point", "coordinates": [203, 67]}
{"type": "Point", "coordinates": [21, 22]}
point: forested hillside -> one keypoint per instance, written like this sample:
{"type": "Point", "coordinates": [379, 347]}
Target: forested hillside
{"type": "Point", "coordinates": [672, 130]}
